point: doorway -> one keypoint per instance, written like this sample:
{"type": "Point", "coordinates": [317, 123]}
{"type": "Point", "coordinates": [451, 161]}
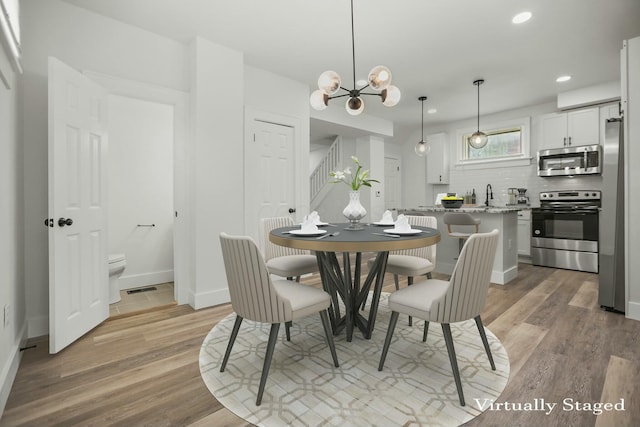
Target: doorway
{"type": "Point", "coordinates": [391, 183]}
{"type": "Point", "coordinates": [140, 201]}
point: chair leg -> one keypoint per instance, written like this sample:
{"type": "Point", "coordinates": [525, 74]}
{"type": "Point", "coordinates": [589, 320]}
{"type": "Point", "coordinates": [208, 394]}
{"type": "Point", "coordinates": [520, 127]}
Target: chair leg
{"type": "Point", "coordinates": [329, 333]}
{"type": "Point", "coordinates": [448, 339]}
{"type": "Point", "coordinates": [298, 279]}
{"type": "Point", "coordinates": [273, 337]}
{"type": "Point", "coordinates": [387, 340]}
{"type": "Point", "coordinates": [232, 339]}
{"type": "Point", "coordinates": [409, 283]}
{"type": "Point", "coordinates": [395, 280]}
{"type": "Point", "coordinates": [426, 330]}
{"type": "Point", "coordinates": [287, 330]}
{"type": "Point", "coordinates": [483, 335]}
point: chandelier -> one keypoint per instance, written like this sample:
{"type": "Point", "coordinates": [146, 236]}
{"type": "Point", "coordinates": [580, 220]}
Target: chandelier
{"type": "Point", "coordinates": [379, 80]}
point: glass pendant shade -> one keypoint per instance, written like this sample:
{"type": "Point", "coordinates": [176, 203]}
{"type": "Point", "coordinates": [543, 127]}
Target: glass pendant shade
{"type": "Point", "coordinates": [478, 140]}
{"type": "Point", "coordinates": [329, 82]}
{"type": "Point", "coordinates": [379, 78]}
{"type": "Point", "coordinates": [391, 96]}
{"type": "Point", "coordinates": [422, 148]}
{"type": "Point", "coordinates": [354, 106]}
{"type": "Point", "coordinates": [319, 100]}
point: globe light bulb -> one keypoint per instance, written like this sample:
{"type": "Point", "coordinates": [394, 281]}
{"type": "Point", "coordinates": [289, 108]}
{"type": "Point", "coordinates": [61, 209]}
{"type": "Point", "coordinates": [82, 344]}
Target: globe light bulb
{"type": "Point", "coordinates": [354, 106]}
{"type": "Point", "coordinates": [391, 96]}
{"type": "Point", "coordinates": [379, 78]}
{"type": "Point", "coordinates": [422, 148]}
{"type": "Point", "coordinates": [329, 82]}
{"type": "Point", "coordinates": [478, 140]}
{"type": "Point", "coordinates": [319, 100]}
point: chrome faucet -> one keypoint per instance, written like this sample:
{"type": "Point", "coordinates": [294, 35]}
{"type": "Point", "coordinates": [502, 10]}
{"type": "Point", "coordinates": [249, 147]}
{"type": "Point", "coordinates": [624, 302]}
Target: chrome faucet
{"type": "Point", "coordinates": [489, 192]}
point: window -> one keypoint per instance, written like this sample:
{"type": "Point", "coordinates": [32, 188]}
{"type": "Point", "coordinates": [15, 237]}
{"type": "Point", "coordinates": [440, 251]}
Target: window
{"type": "Point", "coordinates": [500, 143]}
{"type": "Point", "coordinates": [507, 145]}
{"type": "Point", "coordinates": [10, 36]}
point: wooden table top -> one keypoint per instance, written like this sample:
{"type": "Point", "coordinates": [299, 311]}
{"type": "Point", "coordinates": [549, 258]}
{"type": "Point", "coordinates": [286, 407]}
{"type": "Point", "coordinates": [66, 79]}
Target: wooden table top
{"type": "Point", "coordinates": [355, 241]}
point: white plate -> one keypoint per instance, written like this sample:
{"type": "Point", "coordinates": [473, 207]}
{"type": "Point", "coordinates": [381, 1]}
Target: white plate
{"type": "Point", "coordinates": [403, 233]}
{"type": "Point", "coordinates": [307, 233]}
{"type": "Point", "coordinates": [385, 224]}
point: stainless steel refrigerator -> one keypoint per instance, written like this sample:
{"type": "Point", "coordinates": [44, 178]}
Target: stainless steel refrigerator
{"type": "Point", "coordinates": [612, 233]}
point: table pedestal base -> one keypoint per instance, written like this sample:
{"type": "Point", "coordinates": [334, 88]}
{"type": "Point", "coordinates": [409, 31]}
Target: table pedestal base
{"type": "Point", "coordinates": [338, 281]}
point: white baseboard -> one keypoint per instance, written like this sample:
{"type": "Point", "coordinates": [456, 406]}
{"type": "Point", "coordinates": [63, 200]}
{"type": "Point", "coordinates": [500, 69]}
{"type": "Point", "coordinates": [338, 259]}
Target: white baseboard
{"type": "Point", "coordinates": [209, 299]}
{"type": "Point", "coordinates": [10, 369]}
{"type": "Point", "coordinates": [145, 279]}
{"type": "Point", "coordinates": [633, 311]}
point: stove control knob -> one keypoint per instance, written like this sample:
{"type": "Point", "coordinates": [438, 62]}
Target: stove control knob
{"type": "Point", "coordinates": [586, 194]}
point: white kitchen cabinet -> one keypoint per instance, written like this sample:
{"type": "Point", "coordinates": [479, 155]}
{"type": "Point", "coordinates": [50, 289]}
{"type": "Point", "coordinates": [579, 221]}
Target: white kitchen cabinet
{"type": "Point", "coordinates": [573, 128]}
{"type": "Point", "coordinates": [524, 232]}
{"type": "Point", "coordinates": [438, 159]}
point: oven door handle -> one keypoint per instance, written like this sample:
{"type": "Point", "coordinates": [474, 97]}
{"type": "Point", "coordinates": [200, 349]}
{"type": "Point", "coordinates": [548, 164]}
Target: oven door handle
{"type": "Point", "coordinates": [566, 211]}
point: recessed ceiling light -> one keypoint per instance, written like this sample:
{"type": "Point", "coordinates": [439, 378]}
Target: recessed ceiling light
{"type": "Point", "coordinates": [432, 111]}
{"type": "Point", "coordinates": [521, 17]}
{"type": "Point", "coordinates": [563, 79]}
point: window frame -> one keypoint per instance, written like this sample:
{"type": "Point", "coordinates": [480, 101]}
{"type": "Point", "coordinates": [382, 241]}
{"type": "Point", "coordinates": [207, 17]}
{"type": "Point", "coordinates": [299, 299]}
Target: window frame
{"type": "Point", "coordinates": [522, 159]}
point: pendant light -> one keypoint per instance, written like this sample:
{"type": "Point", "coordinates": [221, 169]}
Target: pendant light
{"type": "Point", "coordinates": [423, 147]}
{"type": "Point", "coordinates": [379, 79]}
{"type": "Point", "coordinates": [478, 139]}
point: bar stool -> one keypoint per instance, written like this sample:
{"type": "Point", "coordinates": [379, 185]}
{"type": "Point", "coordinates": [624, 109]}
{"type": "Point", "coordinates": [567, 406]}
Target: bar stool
{"type": "Point", "coordinates": [460, 219]}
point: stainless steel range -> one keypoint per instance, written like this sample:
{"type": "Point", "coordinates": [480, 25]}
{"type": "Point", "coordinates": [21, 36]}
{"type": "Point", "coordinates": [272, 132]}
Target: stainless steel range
{"type": "Point", "coordinates": [564, 230]}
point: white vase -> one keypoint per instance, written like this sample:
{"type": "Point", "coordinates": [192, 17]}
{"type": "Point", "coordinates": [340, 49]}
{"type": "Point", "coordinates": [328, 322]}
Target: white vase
{"type": "Point", "coordinates": [354, 211]}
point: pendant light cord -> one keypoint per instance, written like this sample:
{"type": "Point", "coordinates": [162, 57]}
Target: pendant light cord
{"type": "Point", "coordinates": [353, 48]}
{"type": "Point", "coordinates": [422, 139]}
{"type": "Point", "coordinates": [478, 106]}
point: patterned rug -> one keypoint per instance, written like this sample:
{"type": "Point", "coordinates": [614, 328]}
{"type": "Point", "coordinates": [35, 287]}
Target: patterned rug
{"type": "Point", "coordinates": [416, 387]}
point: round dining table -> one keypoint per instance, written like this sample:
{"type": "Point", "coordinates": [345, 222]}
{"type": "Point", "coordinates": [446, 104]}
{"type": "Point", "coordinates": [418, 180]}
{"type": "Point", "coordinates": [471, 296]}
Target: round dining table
{"type": "Point", "coordinates": [338, 279]}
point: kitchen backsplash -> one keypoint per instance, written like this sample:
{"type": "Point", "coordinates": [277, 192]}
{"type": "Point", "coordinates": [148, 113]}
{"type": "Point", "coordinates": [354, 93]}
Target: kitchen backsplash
{"type": "Point", "coordinates": [501, 179]}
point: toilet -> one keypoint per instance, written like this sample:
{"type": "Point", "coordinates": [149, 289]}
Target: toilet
{"type": "Point", "coordinates": [117, 263]}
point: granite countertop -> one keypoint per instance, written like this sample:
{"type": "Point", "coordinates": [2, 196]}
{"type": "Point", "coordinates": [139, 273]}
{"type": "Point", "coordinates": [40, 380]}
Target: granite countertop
{"type": "Point", "coordinates": [468, 208]}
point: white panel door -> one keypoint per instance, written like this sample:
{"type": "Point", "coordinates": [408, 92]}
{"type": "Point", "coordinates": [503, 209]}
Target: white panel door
{"type": "Point", "coordinates": [270, 174]}
{"type": "Point", "coordinates": [78, 263]}
{"type": "Point", "coordinates": [391, 183]}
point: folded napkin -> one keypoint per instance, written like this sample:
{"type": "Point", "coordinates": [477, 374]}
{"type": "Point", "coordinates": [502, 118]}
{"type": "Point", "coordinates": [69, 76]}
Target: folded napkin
{"type": "Point", "coordinates": [308, 225]}
{"type": "Point", "coordinates": [387, 217]}
{"type": "Point", "coordinates": [315, 217]}
{"type": "Point", "coordinates": [402, 223]}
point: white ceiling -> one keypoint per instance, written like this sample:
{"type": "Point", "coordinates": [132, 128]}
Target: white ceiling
{"type": "Point", "coordinates": [433, 47]}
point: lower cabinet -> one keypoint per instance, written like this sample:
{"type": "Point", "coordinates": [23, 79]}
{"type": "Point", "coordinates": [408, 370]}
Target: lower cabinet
{"type": "Point", "coordinates": [524, 232]}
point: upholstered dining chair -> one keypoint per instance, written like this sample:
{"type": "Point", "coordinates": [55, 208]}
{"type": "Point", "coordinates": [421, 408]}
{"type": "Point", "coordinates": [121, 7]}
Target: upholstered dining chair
{"type": "Point", "coordinates": [283, 261]}
{"type": "Point", "coordinates": [255, 296]}
{"type": "Point", "coordinates": [461, 298]}
{"type": "Point", "coordinates": [412, 262]}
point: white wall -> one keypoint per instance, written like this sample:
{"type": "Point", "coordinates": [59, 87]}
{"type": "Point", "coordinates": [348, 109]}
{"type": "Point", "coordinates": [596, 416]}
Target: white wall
{"type": "Point", "coordinates": [85, 41]}
{"type": "Point", "coordinates": [216, 163]}
{"type": "Point", "coordinates": [12, 293]}
{"type": "Point", "coordinates": [141, 189]}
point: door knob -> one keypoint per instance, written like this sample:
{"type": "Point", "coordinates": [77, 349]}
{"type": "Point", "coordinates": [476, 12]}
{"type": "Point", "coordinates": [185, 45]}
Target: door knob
{"type": "Point", "coordinates": [48, 222]}
{"type": "Point", "coordinates": [291, 210]}
{"type": "Point", "coordinates": [62, 222]}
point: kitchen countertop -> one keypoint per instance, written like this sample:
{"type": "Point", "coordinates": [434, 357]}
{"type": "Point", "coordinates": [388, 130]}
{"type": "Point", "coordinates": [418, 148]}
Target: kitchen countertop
{"type": "Point", "coordinates": [468, 209]}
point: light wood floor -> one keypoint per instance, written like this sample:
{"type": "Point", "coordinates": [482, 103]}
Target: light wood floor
{"type": "Point", "coordinates": [143, 370]}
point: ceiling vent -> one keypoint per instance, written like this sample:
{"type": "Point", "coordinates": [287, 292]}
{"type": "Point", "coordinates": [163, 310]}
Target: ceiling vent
{"type": "Point", "coordinates": [598, 94]}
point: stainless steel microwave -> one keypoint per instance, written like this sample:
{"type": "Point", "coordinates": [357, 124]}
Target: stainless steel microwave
{"type": "Point", "coordinates": [567, 161]}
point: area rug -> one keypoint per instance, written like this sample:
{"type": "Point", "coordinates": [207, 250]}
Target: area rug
{"type": "Point", "coordinates": [416, 387]}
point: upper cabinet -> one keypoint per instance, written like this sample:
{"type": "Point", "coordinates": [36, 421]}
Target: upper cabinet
{"type": "Point", "coordinates": [438, 159]}
{"type": "Point", "coordinates": [573, 128]}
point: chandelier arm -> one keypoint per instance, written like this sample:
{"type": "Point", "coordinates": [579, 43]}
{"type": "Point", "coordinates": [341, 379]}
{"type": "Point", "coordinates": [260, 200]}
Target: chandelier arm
{"type": "Point", "coordinates": [368, 93]}
{"type": "Point", "coordinates": [339, 96]}
{"type": "Point", "coordinates": [353, 47]}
